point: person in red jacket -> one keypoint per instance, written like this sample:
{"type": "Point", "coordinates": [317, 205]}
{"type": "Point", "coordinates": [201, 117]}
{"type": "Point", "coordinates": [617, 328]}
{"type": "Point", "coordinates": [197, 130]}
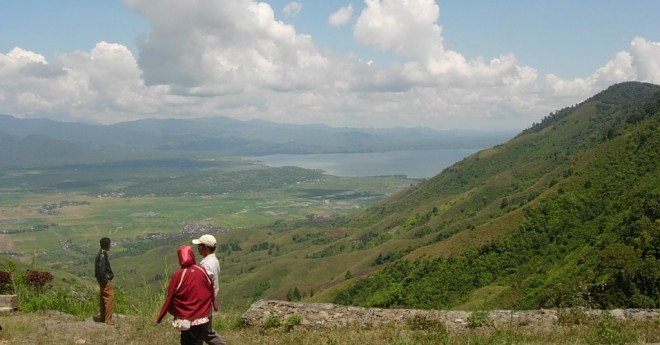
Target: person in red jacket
{"type": "Point", "coordinates": [190, 296]}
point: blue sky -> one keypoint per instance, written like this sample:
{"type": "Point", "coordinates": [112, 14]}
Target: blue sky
{"type": "Point", "coordinates": [385, 63]}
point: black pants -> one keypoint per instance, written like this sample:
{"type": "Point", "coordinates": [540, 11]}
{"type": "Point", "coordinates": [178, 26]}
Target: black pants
{"type": "Point", "coordinates": [199, 334]}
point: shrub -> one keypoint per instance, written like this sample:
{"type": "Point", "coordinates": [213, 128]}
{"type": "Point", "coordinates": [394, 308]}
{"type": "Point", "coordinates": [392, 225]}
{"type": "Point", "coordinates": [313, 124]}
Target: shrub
{"type": "Point", "coordinates": [35, 293]}
{"type": "Point", "coordinates": [6, 283]}
{"type": "Point", "coordinates": [229, 321]}
{"type": "Point", "coordinates": [478, 318]}
{"type": "Point", "coordinates": [76, 300]}
{"type": "Point", "coordinates": [291, 322]}
{"type": "Point", "coordinates": [37, 280]}
{"type": "Point", "coordinates": [572, 317]}
{"type": "Point", "coordinates": [423, 323]}
{"type": "Point", "coordinates": [273, 321]}
{"type": "Point", "coordinates": [610, 331]}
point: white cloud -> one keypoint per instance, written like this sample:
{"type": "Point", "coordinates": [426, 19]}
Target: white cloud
{"type": "Point", "coordinates": [103, 85]}
{"type": "Point", "coordinates": [341, 17]}
{"type": "Point", "coordinates": [21, 56]}
{"type": "Point", "coordinates": [406, 27]}
{"type": "Point", "coordinates": [233, 58]}
{"type": "Point", "coordinates": [292, 9]}
{"type": "Point", "coordinates": [641, 63]}
{"type": "Point", "coordinates": [646, 59]}
{"type": "Point", "coordinates": [220, 47]}
{"type": "Point", "coordinates": [410, 28]}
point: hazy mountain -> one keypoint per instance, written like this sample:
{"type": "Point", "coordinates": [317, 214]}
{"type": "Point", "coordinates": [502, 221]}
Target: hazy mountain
{"type": "Point", "coordinates": [159, 138]}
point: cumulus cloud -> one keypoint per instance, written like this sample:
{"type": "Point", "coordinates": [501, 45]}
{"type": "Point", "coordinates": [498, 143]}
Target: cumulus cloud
{"type": "Point", "coordinates": [410, 29]}
{"type": "Point", "coordinates": [406, 27]}
{"type": "Point", "coordinates": [220, 47]}
{"type": "Point", "coordinates": [102, 85]}
{"type": "Point", "coordinates": [646, 59]}
{"type": "Point", "coordinates": [341, 17]}
{"type": "Point", "coordinates": [234, 58]}
{"type": "Point", "coordinates": [41, 70]}
{"type": "Point", "coordinates": [641, 63]}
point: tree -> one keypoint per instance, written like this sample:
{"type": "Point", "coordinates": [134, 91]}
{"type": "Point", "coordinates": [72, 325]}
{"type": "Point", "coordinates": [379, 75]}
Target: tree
{"type": "Point", "coordinates": [348, 275]}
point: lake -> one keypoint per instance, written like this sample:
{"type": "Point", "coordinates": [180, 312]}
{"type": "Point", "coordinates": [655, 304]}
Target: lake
{"type": "Point", "coordinates": [412, 163]}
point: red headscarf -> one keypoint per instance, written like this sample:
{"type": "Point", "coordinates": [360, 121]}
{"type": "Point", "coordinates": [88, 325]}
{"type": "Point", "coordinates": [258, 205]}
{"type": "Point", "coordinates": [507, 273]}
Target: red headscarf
{"type": "Point", "coordinates": [186, 256]}
{"type": "Point", "coordinates": [194, 296]}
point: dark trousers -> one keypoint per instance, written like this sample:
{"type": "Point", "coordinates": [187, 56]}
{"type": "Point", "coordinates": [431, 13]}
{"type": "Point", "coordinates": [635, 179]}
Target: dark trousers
{"type": "Point", "coordinates": [199, 334]}
{"type": "Point", "coordinates": [210, 336]}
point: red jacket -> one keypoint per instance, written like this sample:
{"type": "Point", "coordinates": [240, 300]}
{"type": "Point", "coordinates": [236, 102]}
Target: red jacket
{"type": "Point", "coordinates": [195, 296]}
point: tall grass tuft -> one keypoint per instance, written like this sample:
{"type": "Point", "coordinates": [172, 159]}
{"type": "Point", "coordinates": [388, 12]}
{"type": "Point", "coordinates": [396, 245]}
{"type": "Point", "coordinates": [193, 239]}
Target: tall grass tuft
{"type": "Point", "coordinates": [76, 299]}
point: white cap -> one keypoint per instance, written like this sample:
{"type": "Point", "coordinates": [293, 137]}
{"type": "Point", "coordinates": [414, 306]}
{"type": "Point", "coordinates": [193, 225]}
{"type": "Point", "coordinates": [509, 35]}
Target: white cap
{"type": "Point", "coordinates": [207, 240]}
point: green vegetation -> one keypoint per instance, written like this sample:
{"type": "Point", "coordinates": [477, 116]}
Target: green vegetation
{"type": "Point", "coordinates": [588, 233]}
{"type": "Point", "coordinates": [56, 225]}
{"type": "Point", "coordinates": [62, 314]}
{"type": "Point", "coordinates": [478, 318]}
{"type": "Point", "coordinates": [56, 328]}
{"type": "Point", "coordinates": [565, 214]}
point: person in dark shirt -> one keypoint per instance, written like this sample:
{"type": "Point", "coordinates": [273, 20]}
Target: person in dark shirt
{"type": "Point", "coordinates": [104, 275]}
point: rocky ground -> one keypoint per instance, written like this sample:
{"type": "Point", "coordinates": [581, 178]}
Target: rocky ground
{"type": "Point", "coordinates": [321, 323]}
{"type": "Point", "coordinates": [330, 315]}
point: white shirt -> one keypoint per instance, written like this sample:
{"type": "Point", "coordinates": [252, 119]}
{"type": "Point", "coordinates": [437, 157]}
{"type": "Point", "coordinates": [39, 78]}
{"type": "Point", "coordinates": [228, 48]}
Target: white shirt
{"type": "Point", "coordinates": [212, 267]}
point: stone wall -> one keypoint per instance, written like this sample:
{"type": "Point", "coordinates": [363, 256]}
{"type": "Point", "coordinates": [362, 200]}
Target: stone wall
{"type": "Point", "coordinates": [331, 315]}
{"type": "Point", "coordinates": [8, 303]}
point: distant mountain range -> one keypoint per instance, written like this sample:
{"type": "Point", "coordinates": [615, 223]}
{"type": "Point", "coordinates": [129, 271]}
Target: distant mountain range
{"type": "Point", "coordinates": [42, 142]}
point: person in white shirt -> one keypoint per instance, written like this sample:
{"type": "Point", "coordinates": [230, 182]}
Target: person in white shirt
{"type": "Point", "coordinates": [206, 248]}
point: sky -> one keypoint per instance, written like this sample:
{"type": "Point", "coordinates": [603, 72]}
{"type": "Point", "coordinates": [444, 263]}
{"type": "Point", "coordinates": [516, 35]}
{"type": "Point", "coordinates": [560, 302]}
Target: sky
{"type": "Point", "coordinates": [460, 64]}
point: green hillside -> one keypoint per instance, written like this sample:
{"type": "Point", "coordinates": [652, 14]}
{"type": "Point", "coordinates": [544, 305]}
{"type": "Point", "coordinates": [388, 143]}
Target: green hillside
{"type": "Point", "coordinates": [566, 213]}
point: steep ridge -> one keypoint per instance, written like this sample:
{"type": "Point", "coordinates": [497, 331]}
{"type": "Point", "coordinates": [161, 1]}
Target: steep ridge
{"type": "Point", "coordinates": [564, 214]}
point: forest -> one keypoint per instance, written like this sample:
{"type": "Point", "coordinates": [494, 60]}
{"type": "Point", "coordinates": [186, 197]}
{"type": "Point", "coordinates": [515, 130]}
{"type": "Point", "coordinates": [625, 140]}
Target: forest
{"type": "Point", "coordinates": [591, 238]}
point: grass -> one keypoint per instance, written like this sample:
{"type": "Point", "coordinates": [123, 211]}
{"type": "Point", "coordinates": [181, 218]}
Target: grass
{"type": "Point", "coordinates": [125, 219]}
{"type": "Point", "coordinates": [120, 216]}
{"type": "Point", "coordinates": [48, 327]}
{"type": "Point", "coordinates": [62, 314]}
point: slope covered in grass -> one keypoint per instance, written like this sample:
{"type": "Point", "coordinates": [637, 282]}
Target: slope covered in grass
{"type": "Point", "coordinates": [564, 214]}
